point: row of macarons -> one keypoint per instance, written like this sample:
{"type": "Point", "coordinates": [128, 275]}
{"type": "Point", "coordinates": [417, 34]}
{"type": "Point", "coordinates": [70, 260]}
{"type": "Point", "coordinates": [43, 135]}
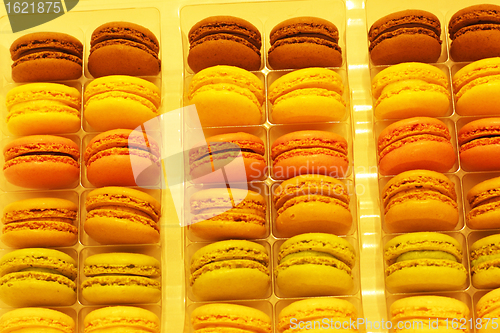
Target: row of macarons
{"type": "Point", "coordinates": [407, 35]}
{"type": "Point", "coordinates": [110, 318]}
{"type": "Point", "coordinates": [223, 96]}
{"type": "Point", "coordinates": [305, 265]}
{"type": "Point", "coordinates": [417, 89]}
{"type": "Point", "coordinates": [117, 48]}
{"type": "Point", "coordinates": [61, 277]}
{"type": "Point", "coordinates": [416, 313]}
{"type": "Point", "coordinates": [109, 216]}
{"type": "Point", "coordinates": [415, 35]}
{"type": "Point", "coordinates": [424, 200]}
{"type": "Point", "coordinates": [428, 261]}
{"type": "Point", "coordinates": [320, 264]}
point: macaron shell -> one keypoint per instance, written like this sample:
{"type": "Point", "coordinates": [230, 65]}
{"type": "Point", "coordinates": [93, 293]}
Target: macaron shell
{"type": "Point", "coordinates": [217, 105]}
{"type": "Point", "coordinates": [314, 216]}
{"type": "Point", "coordinates": [421, 214]}
{"type": "Point", "coordinates": [43, 234]}
{"type": "Point", "coordinates": [313, 280]}
{"type": "Point", "coordinates": [426, 278]}
{"type": "Point", "coordinates": [419, 154]}
{"type": "Point", "coordinates": [116, 109]}
{"type": "Point", "coordinates": [412, 99]}
{"type": "Point", "coordinates": [35, 291]}
{"type": "Point", "coordinates": [223, 51]}
{"type": "Point", "coordinates": [478, 158]}
{"type": "Point", "coordinates": [135, 59]}
{"type": "Point", "coordinates": [119, 230]}
{"type": "Point", "coordinates": [406, 47]}
{"type": "Point", "coordinates": [231, 284]}
{"type": "Point", "coordinates": [120, 290]}
{"type": "Point", "coordinates": [475, 44]}
{"type": "Point", "coordinates": [308, 53]}
{"type": "Point", "coordinates": [481, 97]}
{"type": "Point", "coordinates": [116, 170]}
{"type": "Point", "coordinates": [308, 105]}
{"type": "Point", "coordinates": [44, 172]}
{"type": "Point", "coordinates": [53, 119]}
{"type": "Point", "coordinates": [47, 66]}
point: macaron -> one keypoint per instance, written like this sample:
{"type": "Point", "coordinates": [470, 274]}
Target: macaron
{"type": "Point", "coordinates": [225, 317]}
{"type": "Point", "coordinates": [42, 162]}
{"type": "Point", "coordinates": [122, 157]}
{"type": "Point", "coordinates": [311, 203]}
{"type": "Point", "coordinates": [410, 89]}
{"type": "Point", "coordinates": [121, 215]}
{"type": "Point", "coordinates": [404, 36]}
{"type": "Point", "coordinates": [484, 205]}
{"type": "Point", "coordinates": [305, 41]}
{"type": "Point", "coordinates": [115, 319]}
{"type": "Point", "coordinates": [429, 313]}
{"type": "Point", "coordinates": [479, 141]}
{"type": "Point", "coordinates": [46, 56]}
{"type": "Point", "coordinates": [121, 278]}
{"type": "Point", "coordinates": [475, 32]}
{"type": "Point", "coordinates": [120, 101]}
{"type": "Point", "coordinates": [36, 320]}
{"type": "Point", "coordinates": [485, 268]}
{"type": "Point", "coordinates": [123, 48]}
{"type": "Point", "coordinates": [415, 143]}
{"type": "Point", "coordinates": [226, 96]}
{"type": "Point", "coordinates": [47, 274]}
{"type": "Point", "coordinates": [318, 314]}
{"type": "Point", "coordinates": [310, 152]}
{"type": "Point", "coordinates": [420, 200]}
{"type": "Point", "coordinates": [315, 264]}
{"type": "Point", "coordinates": [43, 108]}
{"type": "Point", "coordinates": [424, 261]}
{"type": "Point", "coordinates": [224, 40]}
{"type": "Point", "coordinates": [40, 222]}
{"type": "Point", "coordinates": [477, 86]}
{"type": "Point", "coordinates": [307, 95]}
{"type": "Point", "coordinates": [222, 213]}
{"type": "Point", "coordinates": [230, 270]}
{"type": "Point", "coordinates": [487, 312]}
{"type": "Point", "coordinates": [240, 155]}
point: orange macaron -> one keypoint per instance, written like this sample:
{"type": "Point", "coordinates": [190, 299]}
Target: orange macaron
{"type": "Point", "coordinates": [420, 200]}
{"type": "Point", "coordinates": [122, 157]}
{"type": "Point", "coordinates": [415, 143]}
{"type": "Point", "coordinates": [310, 152]}
{"type": "Point", "coordinates": [312, 203]}
{"type": "Point", "coordinates": [479, 143]}
{"type": "Point", "coordinates": [240, 155]}
{"type": "Point", "coordinates": [42, 162]}
{"type": "Point", "coordinates": [222, 213]}
{"type": "Point", "coordinates": [484, 205]}
{"type": "Point", "coordinates": [40, 222]}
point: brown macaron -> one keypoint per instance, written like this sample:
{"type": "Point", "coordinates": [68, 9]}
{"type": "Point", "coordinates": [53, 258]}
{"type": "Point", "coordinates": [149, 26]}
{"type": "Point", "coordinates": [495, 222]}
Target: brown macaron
{"type": "Point", "coordinates": [46, 56]}
{"type": "Point", "coordinates": [123, 48]}
{"type": "Point", "coordinates": [302, 42]}
{"type": "Point", "coordinates": [224, 40]}
{"type": "Point", "coordinates": [475, 33]}
{"type": "Point", "coordinates": [405, 36]}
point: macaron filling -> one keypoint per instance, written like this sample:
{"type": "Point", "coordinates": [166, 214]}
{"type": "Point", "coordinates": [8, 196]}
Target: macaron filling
{"type": "Point", "coordinates": [415, 255]}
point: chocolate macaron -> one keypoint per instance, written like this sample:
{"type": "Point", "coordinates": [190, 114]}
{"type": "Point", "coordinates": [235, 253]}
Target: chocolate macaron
{"type": "Point", "coordinates": [408, 35]}
{"type": "Point", "coordinates": [123, 48]}
{"type": "Point", "coordinates": [302, 42]}
{"type": "Point", "coordinates": [46, 56]}
{"type": "Point", "coordinates": [475, 33]}
{"type": "Point", "coordinates": [224, 40]}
